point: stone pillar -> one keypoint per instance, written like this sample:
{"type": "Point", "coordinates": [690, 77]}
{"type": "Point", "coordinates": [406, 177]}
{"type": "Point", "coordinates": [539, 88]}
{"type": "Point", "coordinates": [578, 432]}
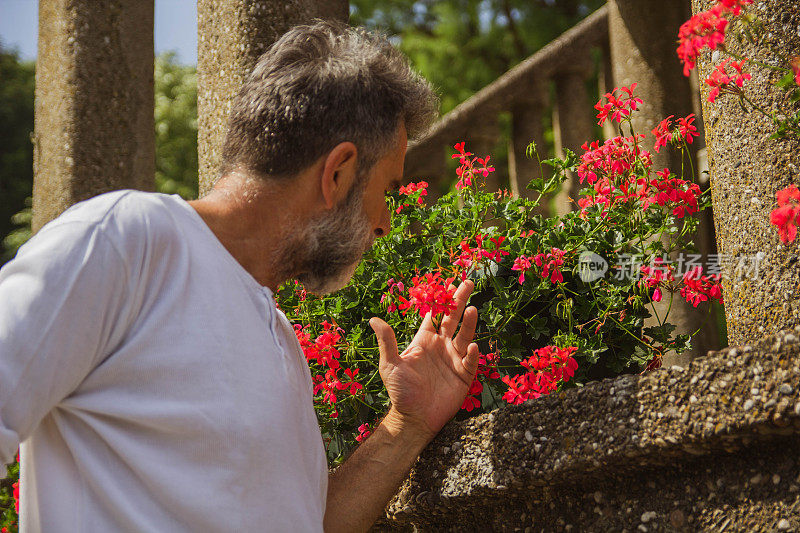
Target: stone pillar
{"type": "Point", "coordinates": [527, 125]}
{"type": "Point", "coordinates": [573, 125]}
{"type": "Point", "coordinates": [746, 169]}
{"type": "Point", "coordinates": [642, 35]}
{"type": "Point", "coordinates": [429, 164]}
{"type": "Point", "coordinates": [94, 128]}
{"type": "Point", "coordinates": [482, 140]}
{"type": "Point", "coordinates": [232, 34]}
{"type": "Point", "coordinates": [605, 84]}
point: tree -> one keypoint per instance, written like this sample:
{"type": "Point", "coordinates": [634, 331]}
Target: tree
{"type": "Point", "coordinates": [463, 45]}
{"type": "Point", "coordinates": [176, 127]}
{"type": "Point", "coordinates": [16, 126]}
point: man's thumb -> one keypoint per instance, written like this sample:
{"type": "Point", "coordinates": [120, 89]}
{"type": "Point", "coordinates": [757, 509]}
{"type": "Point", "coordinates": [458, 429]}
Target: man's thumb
{"type": "Point", "coordinates": [387, 342]}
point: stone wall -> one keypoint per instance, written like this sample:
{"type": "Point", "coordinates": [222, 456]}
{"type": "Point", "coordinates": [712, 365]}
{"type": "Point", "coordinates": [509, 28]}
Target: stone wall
{"type": "Point", "coordinates": [708, 447]}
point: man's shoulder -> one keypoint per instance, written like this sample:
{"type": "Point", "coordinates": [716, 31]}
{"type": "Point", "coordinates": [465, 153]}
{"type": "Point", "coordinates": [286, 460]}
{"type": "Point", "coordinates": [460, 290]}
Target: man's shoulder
{"type": "Point", "coordinates": [129, 221]}
{"type": "Point", "coordinates": [125, 205]}
{"type": "Point", "coordinates": [126, 213]}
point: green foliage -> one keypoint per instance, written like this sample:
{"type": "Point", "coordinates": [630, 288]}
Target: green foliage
{"type": "Point", "coordinates": [8, 514]}
{"type": "Point", "coordinates": [20, 234]}
{"type": "Point", "coordinates": [176, 127]}
{"type": "Point", "coordinates": [787, 120]}
{"type": "Point", "coordinates": [16, 127]}
{"type": "Point", "coordinates": [463, 45]}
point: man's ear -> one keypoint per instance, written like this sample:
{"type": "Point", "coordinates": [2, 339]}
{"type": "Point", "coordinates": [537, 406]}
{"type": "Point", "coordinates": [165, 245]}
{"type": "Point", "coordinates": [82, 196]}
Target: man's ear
{"type": "Point", "coordinates": [338, 173]}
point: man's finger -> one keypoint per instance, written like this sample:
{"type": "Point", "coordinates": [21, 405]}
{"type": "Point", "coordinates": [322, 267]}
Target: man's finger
{"type": "Point", "coordinates": [427, 324]}
{"type": "Point", "coordinates": [467, 331]}
{"type": "Point", "coordinates": [387, 342]}
{"type": "Point", "coordinates": [470, 361]}
{"type": "Point", "coordinates": [450, 322]}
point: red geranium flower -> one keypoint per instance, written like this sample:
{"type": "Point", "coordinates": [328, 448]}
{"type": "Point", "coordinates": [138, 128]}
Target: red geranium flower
{"type": "Point", "coordinates": [656, 277]}
{"type": "Point", "coordinates": [698, 288]}
{"type": "Point", "coordinates": [551, 264]}
{"type": "Point", "coordinates": [487, 365]}
{"type": "Point", "coordinates": [470, 166]}
{"type": "Point", "coordinates": [734, 6]}
{"type": "Point", "coordinates": [687, 129]}
{"type": "Point", "coordinates": [522, 264]}
{"type": "Point", "coordinates": [787, 216]}
{"type": "Point", "coordinates": [546, 368]}
{"type": "Point", "coordinates": [472, 401]}
{"type": "Point", "coordinates": [363, 432]}
{"type": "Point", "coordinates": [706, 29]}
{"type": "Point", "coordinates": [616, 107]}
{"type": "Point", "coordinates": [430, 293]}
{"type": "Point", "coordinates": [417, 190]}
{"type": "Point", "coordinates": [663, 133]}
{"type": "Point", "coordinates": [720, 80]}
{"type": "Point", "coordinates": [796, 69]}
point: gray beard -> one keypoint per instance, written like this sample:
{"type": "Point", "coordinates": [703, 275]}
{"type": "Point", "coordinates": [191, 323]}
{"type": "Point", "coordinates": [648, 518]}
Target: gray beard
{"type": "Point", "coordinates": [325, 254]}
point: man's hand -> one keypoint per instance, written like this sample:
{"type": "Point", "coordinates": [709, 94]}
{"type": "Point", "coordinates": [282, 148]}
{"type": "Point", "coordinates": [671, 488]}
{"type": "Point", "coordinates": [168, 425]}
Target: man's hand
{"type": "Point", "coordinates": [427, 383]}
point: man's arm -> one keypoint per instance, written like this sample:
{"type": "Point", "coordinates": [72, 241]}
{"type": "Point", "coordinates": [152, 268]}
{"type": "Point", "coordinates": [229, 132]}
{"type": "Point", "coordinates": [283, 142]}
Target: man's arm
{"type": "Point", "coordinates": [59, 301]}
{"type": "Point", "coordinates": [427, 384]}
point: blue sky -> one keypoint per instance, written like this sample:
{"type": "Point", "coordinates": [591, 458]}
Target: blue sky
{"type": "Point", "coordinates": [175, 27]}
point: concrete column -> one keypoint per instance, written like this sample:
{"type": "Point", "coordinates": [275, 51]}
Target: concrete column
{"type": "Point", "coordinates": [93, 129]}
{"type": "Point", "coordinates": [605, 84]}
{"type": "Point", "coordinates": [573, 125]}
{"type": "Point", "coordinates": [527, 125]}
{"type": "Point", "coordinates": [482, 140]}
{"type": "Point", "coordinates": [429, 165]}
{"type": "Point", "coordinates": [642, 35]}
{"type": "Point", "coordinates": [747, 167]}
{"type": "Point", "coordinates": [232, 34]}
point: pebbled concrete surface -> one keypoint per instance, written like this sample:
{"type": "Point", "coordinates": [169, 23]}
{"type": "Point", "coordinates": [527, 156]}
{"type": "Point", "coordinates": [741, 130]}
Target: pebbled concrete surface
{"type": "Point", "coordinates": [673, 450]}
{"type": "Point", "coordinates": [231, 35]}
{"type": "Point", "coordinates": [747, 167]}
{"type": "Point", "coordinates": [93, 130]}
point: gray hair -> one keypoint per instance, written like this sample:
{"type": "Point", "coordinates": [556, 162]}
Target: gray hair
{"type": "Point", "coordinates": [320, 85]}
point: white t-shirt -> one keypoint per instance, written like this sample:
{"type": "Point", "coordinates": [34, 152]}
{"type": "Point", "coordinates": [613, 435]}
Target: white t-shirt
{"type": "Point", "coordinates": [151, 380]}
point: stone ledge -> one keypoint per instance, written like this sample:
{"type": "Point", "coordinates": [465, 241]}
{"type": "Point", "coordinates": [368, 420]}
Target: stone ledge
{"type": "Point", "coordinates": [723, 407]}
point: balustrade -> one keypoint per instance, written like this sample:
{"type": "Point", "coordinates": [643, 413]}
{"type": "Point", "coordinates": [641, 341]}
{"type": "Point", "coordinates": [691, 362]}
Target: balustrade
{"type": "Point", "coordinates": [527, 125]}
{"type": "Point", "coordinates": [523, 92]}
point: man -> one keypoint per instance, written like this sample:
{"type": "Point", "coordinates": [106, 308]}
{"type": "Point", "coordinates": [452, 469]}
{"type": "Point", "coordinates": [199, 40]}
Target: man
{"type": "Point", "coordinates": [143, 364]}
